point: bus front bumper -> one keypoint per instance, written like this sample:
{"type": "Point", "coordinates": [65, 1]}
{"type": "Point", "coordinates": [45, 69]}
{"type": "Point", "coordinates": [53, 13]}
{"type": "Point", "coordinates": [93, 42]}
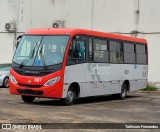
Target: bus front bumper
{"type": "Point", "coordinates": [45, 92]}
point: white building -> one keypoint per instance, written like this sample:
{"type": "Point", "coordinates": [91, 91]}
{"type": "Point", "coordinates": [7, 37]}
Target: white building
{"type": "Point", "coordinates": [140, 18]}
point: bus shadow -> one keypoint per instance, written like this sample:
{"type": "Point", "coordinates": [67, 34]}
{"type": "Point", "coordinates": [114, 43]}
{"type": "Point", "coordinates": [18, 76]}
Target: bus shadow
{"type": "Point", "coordinates": [54, 102]}
{"type": "Point", "coordinates": [81, 101]}
{"type": "Point", "coordinates": [100, 99]}
{"type": "Point", "coordinates": [3, 87]}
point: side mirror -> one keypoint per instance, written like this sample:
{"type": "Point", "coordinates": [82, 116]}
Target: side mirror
{"type": "Point", "coordinates": [18, 40]}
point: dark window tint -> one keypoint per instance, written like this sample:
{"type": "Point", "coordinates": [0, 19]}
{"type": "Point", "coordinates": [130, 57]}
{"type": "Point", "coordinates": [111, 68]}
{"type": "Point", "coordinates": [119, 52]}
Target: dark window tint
{"type": "Point", "coordinates": [129, 57]}
{"type": "Point", "coordinates": [100, 44]}
{"type": "Point", "coordinates": [116, 54]}
{"type": "Point", "coordinates": [141, 54]}
{"type": "Point", "coordinates": [100, 50]}
{"type": "Point", "coordinates": [76, 53]}
{"type": "Point", "coordinates": [129, 53]}
{"type": "Point", "coordinates": [140, 49]}
{"type": "Point", "coordinates": [141, 59]}
{"type": "Point", "coordinates": [128, 48]}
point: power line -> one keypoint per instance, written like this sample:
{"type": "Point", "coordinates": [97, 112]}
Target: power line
{"type": "Point", "coordinates": [136, 32]}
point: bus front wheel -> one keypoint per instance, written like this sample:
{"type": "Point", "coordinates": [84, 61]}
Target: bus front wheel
{"type": "Point", "coordinates": [71, 95]}
{"type": "Point", "coordinates": [27, 99]}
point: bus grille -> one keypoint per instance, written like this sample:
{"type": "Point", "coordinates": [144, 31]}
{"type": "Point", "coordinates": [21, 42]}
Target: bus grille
{"type": "Point", "coordinates": [29, 92]}
{"type": "Point", "coordinates": [39, 73]}
{"type": "Point", "coordinates": [30, 86]}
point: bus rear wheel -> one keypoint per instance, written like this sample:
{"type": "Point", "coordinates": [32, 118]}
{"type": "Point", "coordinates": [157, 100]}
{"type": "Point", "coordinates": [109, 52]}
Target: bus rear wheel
{"type": "Point", "coordinates": [27, 99]}
{"type": "Point", "coordinates": [123, 93]}
{"type": "Point", "coordinates": [71, 95]}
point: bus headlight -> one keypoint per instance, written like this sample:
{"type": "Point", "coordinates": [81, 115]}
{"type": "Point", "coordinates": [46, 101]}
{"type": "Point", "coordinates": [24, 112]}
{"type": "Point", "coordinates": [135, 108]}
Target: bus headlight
{"type": "Point", "coordinates": [52, 81]}
{"type": "Point", "coordinates": [13, 80]}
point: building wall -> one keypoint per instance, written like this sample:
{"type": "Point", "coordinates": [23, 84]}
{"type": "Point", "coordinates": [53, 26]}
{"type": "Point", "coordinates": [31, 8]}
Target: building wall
{"type": "Point", "coordinates": [8, 12]}
{"type": "Point", "coordinates": [138, 18]}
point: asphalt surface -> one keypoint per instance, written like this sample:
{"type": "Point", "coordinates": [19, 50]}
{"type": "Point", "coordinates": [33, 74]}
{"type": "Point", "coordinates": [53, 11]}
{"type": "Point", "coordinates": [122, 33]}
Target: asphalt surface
{"type": "Point", "coordinates": [136, 108]}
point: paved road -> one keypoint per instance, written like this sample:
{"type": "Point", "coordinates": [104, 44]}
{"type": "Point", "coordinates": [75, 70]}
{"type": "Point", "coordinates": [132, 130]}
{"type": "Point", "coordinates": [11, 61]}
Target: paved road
{"type": "Point", "coordinates": [136, 108]}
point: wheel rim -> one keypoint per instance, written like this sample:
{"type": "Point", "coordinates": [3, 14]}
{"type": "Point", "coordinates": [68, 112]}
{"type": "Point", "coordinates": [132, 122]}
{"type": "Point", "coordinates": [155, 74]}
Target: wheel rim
{"type": "Point", "coordinates": [70, 96]}
{"type": "Point", "coordinates": [6, 82]}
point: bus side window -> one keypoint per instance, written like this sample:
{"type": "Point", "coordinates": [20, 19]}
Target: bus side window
{"type": "Point", "coordinates": [141, 54]}
{"type": "Point", "coordinates": [100, 50]}
{"type": "Point", "coordinates": [76, 53]}
{"type": "Point", "coordinates": [116, 52]}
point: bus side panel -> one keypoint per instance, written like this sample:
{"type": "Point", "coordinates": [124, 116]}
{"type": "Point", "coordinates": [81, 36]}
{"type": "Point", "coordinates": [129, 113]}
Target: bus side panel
{"type": "Point", "coordinates": [98, 74]}
{"type": "Point", "coordinates": [137, 76]}
{"type": "Point", "coordinates": [93, 78]}
{"type": "Point", "coordinates": [116, 86]}
{"type": "Point", "coordinates": [101, 88]}
{"type": "Point", "coordinates": [137, 84]}
{"type": "Point", "coordinates": [102, 78]}
{"type": "Point", "coordinates": [76, 74]}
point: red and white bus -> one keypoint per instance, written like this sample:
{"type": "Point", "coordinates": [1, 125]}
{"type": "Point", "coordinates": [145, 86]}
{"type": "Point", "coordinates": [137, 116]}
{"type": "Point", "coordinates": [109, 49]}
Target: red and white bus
{"type": "Point", "coordinates": [71, 63]}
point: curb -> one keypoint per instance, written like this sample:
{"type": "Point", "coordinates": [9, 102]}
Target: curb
{"type": "Point", "coordinates": [154, 92]}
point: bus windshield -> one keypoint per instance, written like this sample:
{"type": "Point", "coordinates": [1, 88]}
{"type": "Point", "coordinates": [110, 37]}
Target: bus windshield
{"type": "Point", "coordinates": [41, 50]}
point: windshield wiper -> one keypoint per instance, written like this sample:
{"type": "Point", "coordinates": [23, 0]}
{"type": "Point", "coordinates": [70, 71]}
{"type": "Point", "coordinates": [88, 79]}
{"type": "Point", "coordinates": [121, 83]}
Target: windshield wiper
{"type": "Point", "coordinates": [29, 57]}
{"type": "Point", "coordinates": [42, 56]}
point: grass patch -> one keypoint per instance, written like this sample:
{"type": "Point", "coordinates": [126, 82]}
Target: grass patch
{"type": "Point", "coordinates": [150, 88]}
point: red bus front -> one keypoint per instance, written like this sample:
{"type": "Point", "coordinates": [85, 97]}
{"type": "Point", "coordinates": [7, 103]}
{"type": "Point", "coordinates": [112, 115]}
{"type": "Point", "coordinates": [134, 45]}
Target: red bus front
{"type": "Point", "coordinates": [37, 69]}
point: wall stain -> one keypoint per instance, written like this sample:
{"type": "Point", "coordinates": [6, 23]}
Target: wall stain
{"type": "Point", "coordinates": [52, 2]}
{"type": "Point", "coordinates": [21, 9]}
{"type": "Point", "coordinates": [137, 18]}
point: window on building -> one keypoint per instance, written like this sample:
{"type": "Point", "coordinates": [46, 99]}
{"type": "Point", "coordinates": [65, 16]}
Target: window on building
{"type": "Point", "coordinates": [100, 50]}
{"type": "Point", "coordinates": [129, 53]}
{"type": "Point", "coordinates": [116, 52]}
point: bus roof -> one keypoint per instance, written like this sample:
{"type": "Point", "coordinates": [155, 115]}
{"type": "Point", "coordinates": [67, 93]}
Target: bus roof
{"type": "Point", "coordinates": [74, 31]}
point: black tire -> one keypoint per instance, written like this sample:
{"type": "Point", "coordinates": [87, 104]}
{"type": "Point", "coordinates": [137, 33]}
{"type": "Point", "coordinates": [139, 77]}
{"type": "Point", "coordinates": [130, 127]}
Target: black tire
{"type": "Point", "coordinates": [27, 99]}
{"type": "Point", "coordinates": [5, 82]}
{"type": "Point", "coordinates": [71, 95]}
{"type": "Point", "coordinates": [123, 93]}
